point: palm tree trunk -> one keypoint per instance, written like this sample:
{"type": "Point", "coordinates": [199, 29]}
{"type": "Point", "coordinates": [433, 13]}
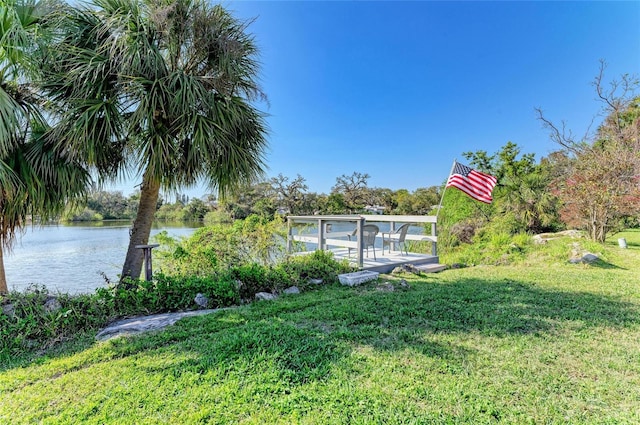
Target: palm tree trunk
{"type": "Point", "coordinates": [141, 229]}
{"type": "Point", "coordinates": [3, 277]}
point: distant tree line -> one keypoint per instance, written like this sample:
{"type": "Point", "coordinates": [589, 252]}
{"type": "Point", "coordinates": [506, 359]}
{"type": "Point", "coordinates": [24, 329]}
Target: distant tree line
{"type": "Point", "coordinates": [278, 195]}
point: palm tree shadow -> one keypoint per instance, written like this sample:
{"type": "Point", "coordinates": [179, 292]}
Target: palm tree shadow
{"type": "Point", "coordinates": [304, 342]}
{"type": "Point", "coordinates": [302, 339]}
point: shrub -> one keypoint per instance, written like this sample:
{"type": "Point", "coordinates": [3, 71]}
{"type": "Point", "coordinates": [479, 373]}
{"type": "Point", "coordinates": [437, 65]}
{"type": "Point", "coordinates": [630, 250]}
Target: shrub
{"type": "Point", "coordinates": [25, 322]}
{"type": "Point", "coordinates": [318, 265]}
{"type": "Point", "coordinates": [490, 248]}
{"type": "Point", "coordinates": [217, 217]}
{"type": "Point", "coordinates": [167, 293]}
{"type": "Point", "coordinates": [254, 278]}
{"type": "Point", "coordinates": [215, 248]}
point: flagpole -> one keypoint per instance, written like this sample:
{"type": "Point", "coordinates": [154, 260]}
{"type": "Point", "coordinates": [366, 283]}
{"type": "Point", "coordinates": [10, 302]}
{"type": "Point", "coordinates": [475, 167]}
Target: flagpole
{"type": "Point", "coordinates": [445, 188]}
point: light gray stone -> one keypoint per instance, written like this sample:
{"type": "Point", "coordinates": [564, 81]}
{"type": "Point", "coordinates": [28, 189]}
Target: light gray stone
{"type": "Point", "coordinates": [537, 239]}
{"type": "Point", "coordinates": [265, 296]}
{"type": "Point", "coordinates": [587, 258]}
{"type": "Point", "coordinates": [52, 304]}
{"type": "Point", "coordinates": [9, 310]}
{"type": "Point", "coordinates": [571, 233]}
{"type": "Point", "coordinates": [315, 281]}
{"type": "Point", "coordinates": [142, 324]}
{"type": "Point", "coordinates": [386, 287]}
{"type": "Point", "coordinates": [201, 300]}
{"type": "Point", "coordinates": [292, 290]}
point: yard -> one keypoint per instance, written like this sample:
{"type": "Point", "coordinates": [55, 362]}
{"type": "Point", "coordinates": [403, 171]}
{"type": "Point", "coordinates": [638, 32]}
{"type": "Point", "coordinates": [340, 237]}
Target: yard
{"type": "Point", "coordinates": [543, 341]}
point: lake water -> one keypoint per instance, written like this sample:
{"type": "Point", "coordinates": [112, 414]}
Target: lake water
{"type": "Point", "coordinates": [71, 258]}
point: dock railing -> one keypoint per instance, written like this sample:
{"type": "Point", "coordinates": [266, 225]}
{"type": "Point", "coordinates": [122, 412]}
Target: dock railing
{"type": "Point", "coordinates": [324, 237]}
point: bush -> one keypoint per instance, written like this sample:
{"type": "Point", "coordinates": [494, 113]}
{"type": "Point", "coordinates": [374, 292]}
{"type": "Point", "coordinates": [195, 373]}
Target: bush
{"type": "Point", "coordinates": [217, 217]}
{"type": "Point", "coordinates": [26, 321]}
{"type": "Point", "coordinates": [254, 278]}
{"type": "Point", "coordinates": [216, 248]}
{"type": "Point", "coordinates": [167, 293]}
{"type": "Point", "coordinates": [318, 265]}
{"type": "Point", "coordinates": [490, 248]}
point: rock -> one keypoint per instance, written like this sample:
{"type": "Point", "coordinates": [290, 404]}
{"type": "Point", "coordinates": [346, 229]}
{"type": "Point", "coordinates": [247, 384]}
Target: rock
{"type": "Point", "coordinates": [201, 300]}
{"type": "Point", "coordinates": [9, 310]}
{"type": "Point", "coordinates": [292, 290]}
{"type": "Point", "coordinates": [543, 238]}
{"type": "Point", "coordinates": [404, 284]}
{"type": "Point", "coordinates": [265, 296]}
{"type": "Point", "coordinates": [52, 304]}
{"type": "Point", "coordinates": [406, 268]}
{"type": "Point", "coordinates": [572, 233]}
{"type": "Point", "coordinates": [587, 258]}
{"type": "Point", "coordinates": [386, 287]}
{"type": "Point", "coordinates": [141, 324]}
{"type": "Point", "coordinates": [538, 240]}
{"type": "Point", "coordinates": [315, 281]}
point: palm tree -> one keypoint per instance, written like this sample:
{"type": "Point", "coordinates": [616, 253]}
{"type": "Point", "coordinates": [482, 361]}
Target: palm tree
{"type": "Point", "coordinates": [160, 88]}
{"type": "Point", "coordinates": [36, 178]}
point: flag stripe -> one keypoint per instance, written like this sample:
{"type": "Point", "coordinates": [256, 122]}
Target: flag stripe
{"type": "Point", "coordinates": [474, 183]}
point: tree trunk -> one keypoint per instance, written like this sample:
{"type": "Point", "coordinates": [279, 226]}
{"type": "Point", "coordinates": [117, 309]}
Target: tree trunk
{"type": "Point", "coordinates": [3, 277]}
{"type": "Point", "coordinates": [141, 229]}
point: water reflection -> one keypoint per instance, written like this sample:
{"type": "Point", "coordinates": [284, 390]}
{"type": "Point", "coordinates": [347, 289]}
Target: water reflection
{"type": "Point", "coordinates": [72, 257]}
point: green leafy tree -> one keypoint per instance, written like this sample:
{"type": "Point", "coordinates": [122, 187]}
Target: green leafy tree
{"type": "Point", "coordinates": [523, 196]}
{"type": "Point", "coordinates": [37, 179]}
{"type": "Point", "coordinates": [335, 204]}
{"type": "Point", "coordinates": [196, 210]}
{"type": "Point", "coordinates": [163, 88]}
{"type": "Point", "coordinates": [424, 200]}
{"type": "Point", "coordinates": [247, 199]}
{"type": "Point", "coordinates": [403, 201]}
{"type": "Point", "coordinates": [111, 205]}
{"type": "Point", "coordinates": [382, 197]}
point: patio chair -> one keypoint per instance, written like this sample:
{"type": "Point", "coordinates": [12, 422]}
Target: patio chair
{"type": "Point", "coordinates": [369, 232]}
{"type": "Point", "coordinates": [396, 237]}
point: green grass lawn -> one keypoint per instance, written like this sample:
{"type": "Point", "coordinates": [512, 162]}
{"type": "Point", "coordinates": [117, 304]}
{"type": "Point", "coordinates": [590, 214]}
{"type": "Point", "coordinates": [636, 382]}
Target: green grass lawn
{"type": "Point", "coordinates": [539, 342]}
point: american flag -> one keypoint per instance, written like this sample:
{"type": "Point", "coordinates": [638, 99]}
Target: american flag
{"type": "Point", "coordinates": [474, 183]}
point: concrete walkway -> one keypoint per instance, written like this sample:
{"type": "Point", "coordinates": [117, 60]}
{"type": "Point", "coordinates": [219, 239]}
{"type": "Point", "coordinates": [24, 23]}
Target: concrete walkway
{"type": "Point", "coordinates": [136, 325]}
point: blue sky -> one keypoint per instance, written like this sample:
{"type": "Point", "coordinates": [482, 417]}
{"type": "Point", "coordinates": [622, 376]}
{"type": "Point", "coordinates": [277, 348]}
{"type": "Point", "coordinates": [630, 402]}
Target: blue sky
{"type": "Point", "coordinates": [398, 90]}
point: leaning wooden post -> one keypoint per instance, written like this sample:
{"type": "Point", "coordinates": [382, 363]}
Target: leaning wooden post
{"type": "Point", "coordinates": [148, 268]}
